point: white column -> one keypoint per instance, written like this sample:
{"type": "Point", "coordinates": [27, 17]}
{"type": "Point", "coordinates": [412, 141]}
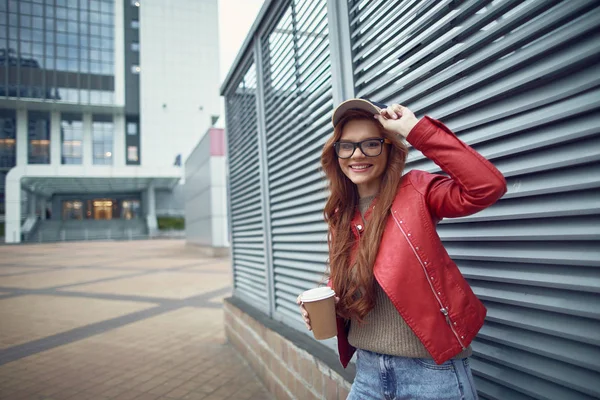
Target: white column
{"type": "Point", "coordinates": [32, 200]}
{"type": "Point", "coordinates": [119, 141]}
{"type": "Point", "coordinates": [119, 55]}
{"type": "Point", "coordinates": [88, 158]}
{"type": "Point", "coordinates": [55, 139]}
{"type": "Point", "coordinates": [151, 213]}
{"type": "Point", "coordinates": [43, 206]}
{"type": "Point", "coordinates": [13, 207]}
{"type": "Point", "coordinates": [22, 142]}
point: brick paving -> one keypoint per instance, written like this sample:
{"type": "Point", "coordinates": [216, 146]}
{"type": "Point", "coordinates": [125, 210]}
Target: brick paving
{"type": "Point", "coordinates": [117, 320]}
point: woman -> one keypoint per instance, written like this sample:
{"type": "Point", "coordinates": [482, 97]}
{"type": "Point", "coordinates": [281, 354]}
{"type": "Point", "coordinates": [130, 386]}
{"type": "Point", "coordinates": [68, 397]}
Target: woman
{"type": "Point", "coordinates": [402, 303]}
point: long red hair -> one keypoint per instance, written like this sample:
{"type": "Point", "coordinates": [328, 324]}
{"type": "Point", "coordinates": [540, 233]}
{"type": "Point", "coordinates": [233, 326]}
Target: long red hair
{"type": "Point", "coordinates": [353, 284]}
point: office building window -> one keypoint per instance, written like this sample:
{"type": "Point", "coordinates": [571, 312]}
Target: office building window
{"type": "Point", "coordinates": [135, 3]}
{"type": "Point", "coordinates": [132, 128]}
{"type": "Point", "coordinates": [132, 153]}
{"type": "Point", "coordinates": [71, 131]}
{"type": "Point", "coordinates": [59, 51]}
{"type": "Point", "coordinates": [135, 46]}
{"type": "Point", "coordinates": [72, 209]}
{"type": "Point", "coordinates": [136, 69]}
{"type": "Point", "coordinates": [135, 24]}
{"type": "Point", "coordinates": [8, 139]}
{"type": "Point", "coordinates": [103, 131]}
{"type": "Point", "coordinates": [38, 134]}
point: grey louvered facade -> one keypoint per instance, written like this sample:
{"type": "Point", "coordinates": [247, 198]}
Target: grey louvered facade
{"type": "Point", "coordinates": [518, 81]}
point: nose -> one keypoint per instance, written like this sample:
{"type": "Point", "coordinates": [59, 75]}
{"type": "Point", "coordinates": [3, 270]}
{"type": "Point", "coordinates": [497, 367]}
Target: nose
{"type": "Point", "coordinates": [358, 154]}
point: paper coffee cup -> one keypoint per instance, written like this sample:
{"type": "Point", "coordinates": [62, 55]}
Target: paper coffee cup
{"type": "Point", "coordinates": [320, 305]}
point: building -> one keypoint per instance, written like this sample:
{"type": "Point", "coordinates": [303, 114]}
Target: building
{"type": "Point", "coordinates": [206, 195]}
{"type": "Point", "coordinates": [517, 80]}
{"type": "Point", "coordinates": [101, 101]}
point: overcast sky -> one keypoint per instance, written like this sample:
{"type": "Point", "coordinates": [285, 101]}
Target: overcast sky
{"type": "Point", "coordinates": [235, 19]}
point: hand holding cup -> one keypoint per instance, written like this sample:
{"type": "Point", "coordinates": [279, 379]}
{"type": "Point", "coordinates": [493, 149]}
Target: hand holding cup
{"type": "Point", "coordinates": [320, 304]}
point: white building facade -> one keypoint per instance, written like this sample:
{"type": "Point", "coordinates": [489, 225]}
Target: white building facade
{"type": "Point", "coordinates": [100, 104]}
{"type": "Point", "coordinates": [206, 222]}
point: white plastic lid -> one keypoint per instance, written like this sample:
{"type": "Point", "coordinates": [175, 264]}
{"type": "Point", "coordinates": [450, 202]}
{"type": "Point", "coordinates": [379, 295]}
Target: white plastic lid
{"type": "Point", "coordinates": [320, 293]}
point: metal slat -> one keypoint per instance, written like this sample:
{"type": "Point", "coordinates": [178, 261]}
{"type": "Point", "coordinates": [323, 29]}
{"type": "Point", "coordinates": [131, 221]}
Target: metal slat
{"type": "Point", "coordinates": [571, 228]}
{"type": "Point", "coordinates": [297, 100]}
{"type": "Point", "coordinates": [555, 205]}
{"type": "Point", "coordinates": [564, 326]}
{"type": "Point", "coordinates": [518, 381]}
{"type": "Point", "coordinates": [249, 274]}
{"type": "Point", "coordinates": [476, 52]}
{"type": "Point", "coordinates": [571, 352]}
{"type": "Point", "coordinates": [542, 275]}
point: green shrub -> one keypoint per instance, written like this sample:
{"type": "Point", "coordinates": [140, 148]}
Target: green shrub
{"type": "Point", "coordinates": [171, 223]}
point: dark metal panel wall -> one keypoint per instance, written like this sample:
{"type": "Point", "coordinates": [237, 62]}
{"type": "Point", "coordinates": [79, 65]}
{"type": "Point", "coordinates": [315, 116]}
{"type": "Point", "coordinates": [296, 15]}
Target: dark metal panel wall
{"type": "Point", "coordinates": [518, 80]}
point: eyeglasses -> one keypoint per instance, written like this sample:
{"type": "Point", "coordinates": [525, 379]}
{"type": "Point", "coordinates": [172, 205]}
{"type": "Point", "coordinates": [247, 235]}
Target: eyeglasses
{"type": "Point", "coordinates": [369, 147]}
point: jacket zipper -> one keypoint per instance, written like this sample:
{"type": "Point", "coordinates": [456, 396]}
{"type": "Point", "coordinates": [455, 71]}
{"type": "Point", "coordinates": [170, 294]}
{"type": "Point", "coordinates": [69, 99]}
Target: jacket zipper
{"type": "Point", "coordinates": [443, 310]}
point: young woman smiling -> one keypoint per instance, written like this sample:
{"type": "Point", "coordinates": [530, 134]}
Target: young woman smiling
{"type": "Point", "coordinates": [401, 301]}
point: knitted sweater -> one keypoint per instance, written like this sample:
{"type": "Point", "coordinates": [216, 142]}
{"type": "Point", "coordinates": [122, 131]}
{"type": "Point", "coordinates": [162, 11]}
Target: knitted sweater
{"type": "Point", "coordinates": [384, 331]}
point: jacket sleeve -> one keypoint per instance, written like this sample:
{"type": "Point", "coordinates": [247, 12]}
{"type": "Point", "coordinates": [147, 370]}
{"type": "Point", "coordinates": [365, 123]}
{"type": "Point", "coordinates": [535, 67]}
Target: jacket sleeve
{"type": "Point", "coordinates": [474, 182]}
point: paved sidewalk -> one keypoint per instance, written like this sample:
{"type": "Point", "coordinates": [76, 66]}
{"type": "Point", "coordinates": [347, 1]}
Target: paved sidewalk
{"type": "Point", "coordinates": [117, 320]}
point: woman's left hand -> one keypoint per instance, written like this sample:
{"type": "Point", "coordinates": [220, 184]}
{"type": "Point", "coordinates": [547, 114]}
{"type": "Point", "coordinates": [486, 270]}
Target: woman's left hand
{"type": "Point", "coordinates": [397, 119]}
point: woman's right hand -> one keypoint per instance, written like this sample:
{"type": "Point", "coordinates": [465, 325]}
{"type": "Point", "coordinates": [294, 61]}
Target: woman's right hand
{"type": "Point", "coordinates": [304, 313]}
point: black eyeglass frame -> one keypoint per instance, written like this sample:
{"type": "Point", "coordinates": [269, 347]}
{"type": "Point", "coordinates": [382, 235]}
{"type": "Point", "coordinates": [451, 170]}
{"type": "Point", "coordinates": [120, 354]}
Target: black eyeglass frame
{"type": "Point", "coordinates": [359, 145]}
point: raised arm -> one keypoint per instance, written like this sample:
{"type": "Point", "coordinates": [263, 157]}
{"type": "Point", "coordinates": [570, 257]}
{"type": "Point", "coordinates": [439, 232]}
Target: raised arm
{"type": "Point", "coordinates": [474, 182]}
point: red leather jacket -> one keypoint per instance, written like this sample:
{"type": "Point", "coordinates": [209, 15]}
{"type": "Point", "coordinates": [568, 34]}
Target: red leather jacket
{"type": "Point", "coordinates": [412, 266]}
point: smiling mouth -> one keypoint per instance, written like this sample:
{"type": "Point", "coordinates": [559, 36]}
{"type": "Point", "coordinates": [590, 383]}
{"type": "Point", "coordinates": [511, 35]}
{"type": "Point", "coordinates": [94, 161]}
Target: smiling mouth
{"type": "Point", "coordinates": [360, 167]}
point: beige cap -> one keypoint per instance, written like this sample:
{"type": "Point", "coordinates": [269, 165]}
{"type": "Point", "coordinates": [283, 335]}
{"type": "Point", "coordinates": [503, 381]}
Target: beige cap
{"type": "Point", "coordinates": [353, 104]}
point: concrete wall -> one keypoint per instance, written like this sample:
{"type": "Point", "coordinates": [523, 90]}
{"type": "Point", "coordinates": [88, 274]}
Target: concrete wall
{"type": "Point", "coordinates": [170, 202]}
{"type": "Point", "coordinates": [179, 76]}
{"type": "Point", "coordinates": [205, 193]}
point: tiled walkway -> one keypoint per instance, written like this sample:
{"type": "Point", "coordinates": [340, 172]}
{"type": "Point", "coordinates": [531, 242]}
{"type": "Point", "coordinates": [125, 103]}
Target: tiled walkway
{"type": "Point", "coordinates": [117, 320]}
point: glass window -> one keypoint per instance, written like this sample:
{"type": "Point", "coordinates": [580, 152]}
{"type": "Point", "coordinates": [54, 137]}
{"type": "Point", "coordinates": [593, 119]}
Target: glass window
{"type": "Point", "coordinates": [95, 29]}
{"type": "Point", "coordinates": [61, 12]}
{"type": "Point", "coordinates": [136, 69]}
{"type": "Point", "coordinates": [71, 129]}
{"type": "Point", "coordinates": [72, 209]}
{"type": "Point", "coordinates": [135, 46]}
{"type": "Point", "coordinates": [38, 10]}
{"type": "Point", "coordinates": [8, 137]}
{"type": "Point", "coordinates": [38, 129]}
{"type": "Point", "coordinates": [132, 153]}
{"type": "Point", "coordinates": [132, 128]}
{"type": "Point", "coordinates": [102, 137]}
{"type": "Point", "coordinates": [135, 24]}
{"type": "Point", "coordinates": [26, 8]}
{"type": "Point", "coordinates": [106, 19]}
{"type": "Point", "coordinates": [26, 34]}
{"type": "Point", "coordinates": [107, 7]}
{"type": "Point", "coordinates": [135, 3]}
{"type": "Point", "coordinates": [26, 21]}
{"type": "Point", "coordinates": [56, 35]}
{"type": "Point", "coordinates": [130, 209]}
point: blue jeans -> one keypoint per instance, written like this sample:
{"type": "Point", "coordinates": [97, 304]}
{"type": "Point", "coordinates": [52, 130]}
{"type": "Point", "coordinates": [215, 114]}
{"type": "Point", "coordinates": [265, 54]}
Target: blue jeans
{"type": "Point", "coordinates": [381, 376]}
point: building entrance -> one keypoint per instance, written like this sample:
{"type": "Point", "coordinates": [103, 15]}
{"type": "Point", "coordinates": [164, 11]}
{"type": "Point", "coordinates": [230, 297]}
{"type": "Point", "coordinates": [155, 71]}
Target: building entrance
{"type": "Point", "coordinates": [103, 209]}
